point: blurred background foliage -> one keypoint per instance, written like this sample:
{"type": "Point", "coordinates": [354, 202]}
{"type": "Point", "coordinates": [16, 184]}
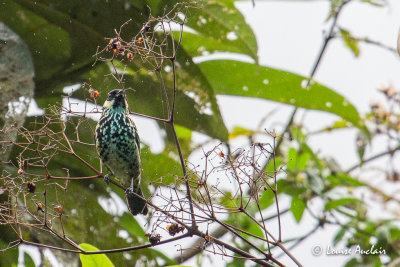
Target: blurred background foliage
{"type": "Point", "coordinates": [62, 38]}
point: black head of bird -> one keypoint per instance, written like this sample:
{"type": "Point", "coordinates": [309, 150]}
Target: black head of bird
{"type": "Point", "coordinates": [116, 101]}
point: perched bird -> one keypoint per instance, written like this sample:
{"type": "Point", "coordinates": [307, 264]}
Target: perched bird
{"type": "Point", "coordinates": [118, 145]}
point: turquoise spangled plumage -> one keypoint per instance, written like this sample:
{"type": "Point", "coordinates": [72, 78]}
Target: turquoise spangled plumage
{"type": "Point", "coordinates": [118, 144]}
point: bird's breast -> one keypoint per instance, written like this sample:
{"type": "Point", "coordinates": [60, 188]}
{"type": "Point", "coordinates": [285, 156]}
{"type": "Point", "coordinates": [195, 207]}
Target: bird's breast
{"type": "Point", "coordinates": [116, 145]}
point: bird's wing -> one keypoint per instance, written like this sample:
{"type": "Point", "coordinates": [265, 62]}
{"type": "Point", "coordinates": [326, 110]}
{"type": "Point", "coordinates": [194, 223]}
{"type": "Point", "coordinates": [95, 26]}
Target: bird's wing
{"type": "Point", "coordinates": [137, 139]}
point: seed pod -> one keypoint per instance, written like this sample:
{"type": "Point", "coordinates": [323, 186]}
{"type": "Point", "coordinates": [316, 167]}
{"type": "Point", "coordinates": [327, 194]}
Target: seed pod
{"type": "Point", "coordinates": [173, 229]}
{"type": "Point", "coordinates": [129, 56]}
{"type": "Point", "coordinates": [58, 208]}
{"type": "Point", "coordinates": [31, 187]}
{"type": "Point", "coordinates": [40, 207]}
{"type": "Point", "coordinates": [94, 93]}
{"type": "Point", "coordinates": [154, 239]}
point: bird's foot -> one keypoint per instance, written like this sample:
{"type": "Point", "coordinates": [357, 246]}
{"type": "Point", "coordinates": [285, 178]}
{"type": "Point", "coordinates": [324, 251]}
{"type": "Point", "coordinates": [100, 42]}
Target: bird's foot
{"type": "Point", "coordinates": [107, 178]}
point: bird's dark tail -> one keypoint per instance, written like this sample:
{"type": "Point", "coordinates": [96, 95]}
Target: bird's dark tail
{"type": "Point", "coordinates": [136, 205]}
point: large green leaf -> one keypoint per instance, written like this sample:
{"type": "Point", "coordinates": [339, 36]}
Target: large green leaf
{"type": "Point", "coordinates": [200, 45]}
{"type": "Point", "coordinates": [224, 27]}
{"type": "Point", "coordinates": [191, 80]}
{"type": "Point", "coordinates": [244, 79]}
{"type": "Point", "coordinates": [83, 23]}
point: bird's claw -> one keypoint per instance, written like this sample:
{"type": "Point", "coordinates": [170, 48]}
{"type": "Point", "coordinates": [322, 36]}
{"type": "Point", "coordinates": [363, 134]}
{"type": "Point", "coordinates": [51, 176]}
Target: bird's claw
{"type": "Point", "coordinates": [107, 178]}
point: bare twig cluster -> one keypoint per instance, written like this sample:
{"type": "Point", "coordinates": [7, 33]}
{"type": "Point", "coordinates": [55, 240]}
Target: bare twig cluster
{"type": "Point", "coordinates": [36, 197]}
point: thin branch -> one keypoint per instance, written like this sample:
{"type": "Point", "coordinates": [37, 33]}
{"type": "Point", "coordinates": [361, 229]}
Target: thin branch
{"type": "Point", "coordinates": [377, 156]}
{"type": "Point", "coordinates": [104, 251]}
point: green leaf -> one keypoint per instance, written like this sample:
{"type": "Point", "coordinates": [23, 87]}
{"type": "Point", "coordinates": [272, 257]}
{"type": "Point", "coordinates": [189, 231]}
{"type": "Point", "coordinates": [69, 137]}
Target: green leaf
{"type": "Point", "coordinates": [352, 262]}
{"type": "Point", "coordinates": [8, 257]}
{"type": "Point", "coordinates": [236, 262]}
{"type": "Point", "coordinates": [291, 158]}
{"type": "Point", "coordinates": [289, 187]}
{"type": "Point", "coordinates": [129, 223]}
{"type": "Point", "coordinates": [159, 168]}
{"type": "Point", "coordinates": [335, 7]}
{"type": "Point", "coordinates": [191, 80]}
{"type": "Point", "coordinates": [197, 44]}
{"type": "Point", "coordinates": [342, 179]}
{"type": "Point", "coordinates": [256, 230]}
{"type": "Point", "coordinates": [350, 42]}
{"type": "Point", "coordinates": [85, 23]}
{"type": "Point", "coordinates": [94, 260]}
{"type": "Point", "coordinates": [302, 161]}
{"type": "Point", "coordinates": [240, 131]}
{"type": "Point", "coordinates": [378, 3]}
{"type": "Point", "coordinates": [222, 24]}
{"type": "Point", "coordinates": [333, 204]}
{"type": "Point", "coordinates": [244, 79]}
{"type": "Point", "coordinates": [315, 181]}
{"type": "Point", "coordinates": [28, 261]}
{"type": "Point", "coordinates": [339, 236]}
{"type": "Point", "coordinates": [185, 139]}
{"type": "Point", "coordinates": [183, 133]}
{"type": "Point", "coordinates": [296, 161]}
{"type": "Point", "coordinates": [340, 124]}
{"type": "Point", "coordinates": [297, 208]}
{"type": "Point", "coordinates": [267, 198]}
